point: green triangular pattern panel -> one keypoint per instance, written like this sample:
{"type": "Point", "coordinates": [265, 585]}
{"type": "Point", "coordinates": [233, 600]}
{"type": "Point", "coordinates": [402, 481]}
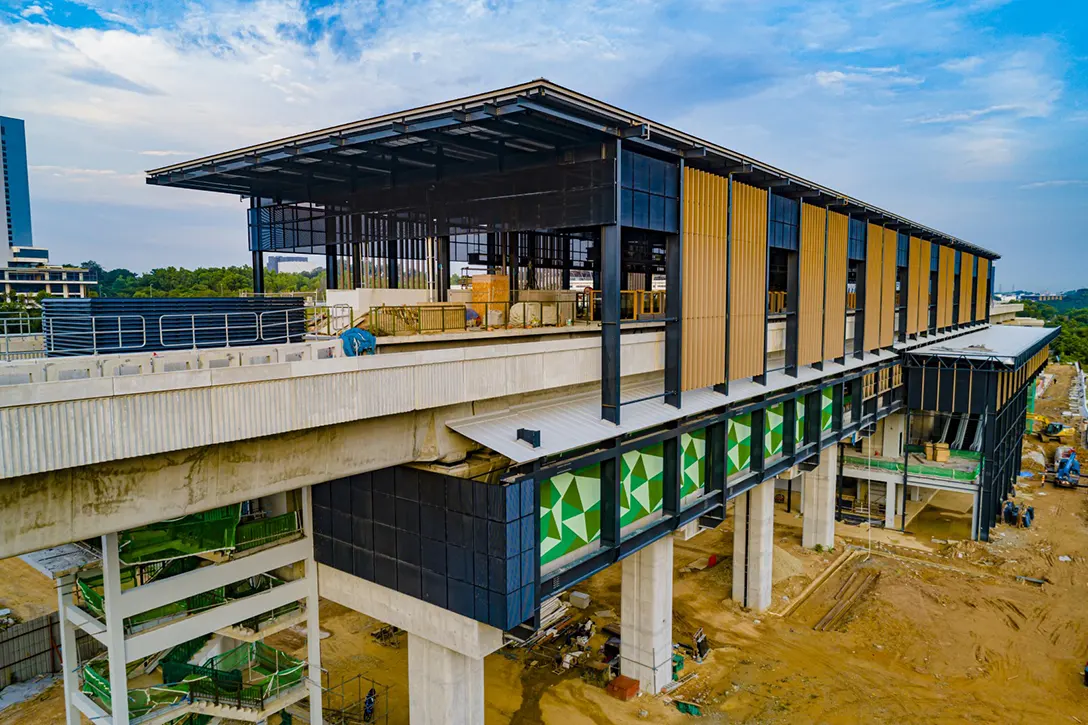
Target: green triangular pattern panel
{"type": "Point", "coordinates": [739, 454]}
{"type": "Point", "coordinates": [826, 408]}
{"type": "Point", "coordinates": [570, 512]}
{"type": "Point", "coordinates": [641, 483]}
{"type": "Point", "coordinates": [772, 430]}
{"type": "Point", "coordinates": [692, 462]}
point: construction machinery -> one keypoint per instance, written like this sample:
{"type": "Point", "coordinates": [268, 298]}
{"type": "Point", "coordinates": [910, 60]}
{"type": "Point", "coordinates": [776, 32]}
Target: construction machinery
{"type": "Point", "coordinates": [1065, 470]}
{"type": "Point", "coordinates": [1050, 430]}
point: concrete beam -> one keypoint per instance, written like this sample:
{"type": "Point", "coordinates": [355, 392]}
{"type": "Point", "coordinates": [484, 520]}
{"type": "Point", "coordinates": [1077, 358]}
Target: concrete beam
{"type": "Point", "coordinates": [156, 640]}
{"type": "Point", "coordinates": [140, 599]}
{"type": "Point", "coordinates": [87, 623]}
{"type": "Point", "coordinates": [435, 624]}
{"type": "Point", "coordinates": [49, 509]}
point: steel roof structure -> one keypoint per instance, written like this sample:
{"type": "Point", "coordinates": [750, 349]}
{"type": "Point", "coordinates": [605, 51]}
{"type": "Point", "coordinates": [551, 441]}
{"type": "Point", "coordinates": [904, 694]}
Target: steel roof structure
{"type": "Point", "coordinates": [476, 134]}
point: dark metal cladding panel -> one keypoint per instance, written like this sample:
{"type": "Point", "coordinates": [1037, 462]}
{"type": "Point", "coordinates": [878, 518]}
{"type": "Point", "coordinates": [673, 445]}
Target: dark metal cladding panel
{"type": "Point", "coordinates": [114, 324]}
{"type": "Point", "coordinates": [962, 393]}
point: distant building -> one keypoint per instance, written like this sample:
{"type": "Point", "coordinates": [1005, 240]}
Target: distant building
{"type": "Point", "coordinates": [290, 265]}
{"type": "Point", "coordinates": [15, 188]}
{"type": "Point", "coordinates": [24, 268]}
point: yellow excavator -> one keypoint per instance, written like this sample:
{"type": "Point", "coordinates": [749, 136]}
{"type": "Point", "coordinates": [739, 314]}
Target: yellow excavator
{"type": "Point", "coordinates": [1050, 430]}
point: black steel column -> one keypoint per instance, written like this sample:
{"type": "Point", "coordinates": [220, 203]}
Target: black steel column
{"type": "Point", "coordinates": [762, 377]}
{"type": "Point", "coordinates": [793, 260]}
{"type": "Point", "coordinates": [332, 271]}
{"type": "Point", "coordinates": [670, 492]}
{"type": "Point", "coordinates": [674, 325]}
{"type": "Point", "coordinates": [492, 252]}
{"type": "Point", "coordinates": [392, 263]}
{"type": "Point", "coordinates": [356, 244]}
{"type": "Point", "coordinates": [611, 263]}
{"type": "Point", "coordinates": [258, 271]}
{"type": "Point", "coordinates": [723, 387]}
{"type": "Point", "coordinates": [610, 501]}
{"type": "Point", "coordinates": [444, 271]}
{"type": "Point", "coordinates": [789, 428]}
{"type": "Point", "coordinates": [565, 281]}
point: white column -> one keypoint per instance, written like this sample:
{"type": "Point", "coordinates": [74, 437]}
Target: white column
{"type": "Point", "coordinates": [891, 505]}
{"type": "Point", "coordinates": [818, 526]}
{"type": "Point", "coordinates": [115, 629]}
{"type": "Point", "coordinates": [313, 618]}
{"type": "Point", "coordinates": [646, 616]}
{"type": "Point", "coordinates": [753, 546]}
{"type": "Point", "coordinates": [444, 687]}
{"type": "Point", "coordinates": [69, 655]}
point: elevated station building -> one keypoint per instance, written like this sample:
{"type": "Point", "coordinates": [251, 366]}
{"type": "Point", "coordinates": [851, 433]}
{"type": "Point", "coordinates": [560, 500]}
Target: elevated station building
{"type": "Point", "coordinates": [536, 436]}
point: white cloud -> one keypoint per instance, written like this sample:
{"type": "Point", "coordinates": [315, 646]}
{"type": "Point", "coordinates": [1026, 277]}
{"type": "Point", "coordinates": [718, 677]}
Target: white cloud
{"type": "Point", "coordinates": [1055, 183]}
{"type": "Point", "coordinates": [31, 11]}
{"type": "Point", "coordinates": [963, 65]}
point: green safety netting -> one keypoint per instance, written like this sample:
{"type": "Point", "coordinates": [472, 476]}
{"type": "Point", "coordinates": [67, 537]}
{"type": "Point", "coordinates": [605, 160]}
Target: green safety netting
{"type": "Point", "coordinates": [219, 530]}
{"type": "Point", "coordinates": [96, 683]}
{"type": "Point", "coordinates": [924, 469]}
{"type": "Point", "coordinates": [186, 536]}
{"type": "Point", "coordinates": [247, 676]}
{"type": "Point", "coordinates": [90, 592]}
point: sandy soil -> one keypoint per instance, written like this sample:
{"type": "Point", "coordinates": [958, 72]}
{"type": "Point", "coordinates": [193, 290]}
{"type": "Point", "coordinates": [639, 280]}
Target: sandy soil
{"type": "Point", "coordinates": [25, 591]}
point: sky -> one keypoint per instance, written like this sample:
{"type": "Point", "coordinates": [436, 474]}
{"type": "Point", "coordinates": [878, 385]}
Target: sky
{"type": "Point", "coordinates": [968, 116]}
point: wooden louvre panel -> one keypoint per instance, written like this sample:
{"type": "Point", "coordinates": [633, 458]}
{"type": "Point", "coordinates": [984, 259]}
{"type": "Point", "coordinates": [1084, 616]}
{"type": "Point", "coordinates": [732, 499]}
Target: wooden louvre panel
{"type": "Point", "coordinates": [950, 287]}
{"type": "Point", "coordinates": [748, 282]}
{"type": "Point", "coordinates": [944, 288]}
{"type": "Point", "coordinates": [810, 308]}
{"type": "Point", "coordinates": [704, 267]}
{"type": "Point", "coordinates": [925, 249]}
{"type": "Point", "coordinates": [874, 268]}
{"type": "Point", "coordinates": [914, 273]}
{"type": "Point", "coordinates": [887, 295]}
{"type": "Point", "coordinates": [982, 291]}
{"type": "Point", "coordinates": [838, 231]}
{"type": "Point", "coordinates": [967, 274]}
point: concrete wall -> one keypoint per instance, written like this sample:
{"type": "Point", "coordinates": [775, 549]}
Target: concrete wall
{"type": "Point", "coordinates": [48, 509]}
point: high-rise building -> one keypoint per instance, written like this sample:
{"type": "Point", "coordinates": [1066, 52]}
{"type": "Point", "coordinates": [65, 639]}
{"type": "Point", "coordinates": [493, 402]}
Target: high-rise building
{"type": "Point", "coordinates": [24, 268]}
{"type": "Point", "coordinates": [15, 187]}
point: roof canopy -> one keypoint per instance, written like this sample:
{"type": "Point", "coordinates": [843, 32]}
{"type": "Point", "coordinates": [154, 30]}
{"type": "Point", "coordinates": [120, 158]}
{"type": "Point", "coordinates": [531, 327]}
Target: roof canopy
{"type": "Point", "coordinates": [479, 134]}
{"type": "Point", "coordinates": [1007, 346]}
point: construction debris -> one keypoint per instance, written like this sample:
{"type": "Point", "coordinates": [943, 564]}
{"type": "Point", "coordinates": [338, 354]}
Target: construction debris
{"type": "Point", "coordinates": [853, 589]}
{"type": "Point", "coordinates": [579, 599]}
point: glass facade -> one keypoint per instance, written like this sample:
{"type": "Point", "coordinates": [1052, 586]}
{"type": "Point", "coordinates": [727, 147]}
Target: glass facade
{"type": "Point", "coordinates": [650, 193]}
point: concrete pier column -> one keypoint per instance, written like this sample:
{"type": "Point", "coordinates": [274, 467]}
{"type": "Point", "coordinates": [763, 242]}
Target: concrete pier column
{"type": "Point", "coordinates": [753, 546]}
{"type": "Point", "coordinates": [69, 655]}
{"type": "Point", "coordinates": [445, 650]}
{"type": "Point", "coordinates": [818, 526]}
{"type": "Point", "coordinates": [115, 630]}
{"type": "Point", "coordinates": [891, 505]}
{"type": "Point", "coordinates": [646, 616]}
{"type": "Point", "coordinates": [313, 618]}
{"type": "Point", "coordinates": [444, 687]}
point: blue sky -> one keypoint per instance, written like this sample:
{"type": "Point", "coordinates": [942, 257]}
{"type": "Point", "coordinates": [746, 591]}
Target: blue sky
{"type": "Point", "coordinates": [969, 116]}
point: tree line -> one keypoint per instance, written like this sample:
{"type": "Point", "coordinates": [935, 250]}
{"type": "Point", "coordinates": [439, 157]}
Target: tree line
{"type": "Point", "coordinates": [1072, 344]}
{"type": "Point", "coordinates": [199, 282]}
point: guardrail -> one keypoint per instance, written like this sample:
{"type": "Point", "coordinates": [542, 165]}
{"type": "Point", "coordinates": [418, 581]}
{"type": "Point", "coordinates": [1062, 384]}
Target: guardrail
{"type": "Point", "coordinates": [93, 335]}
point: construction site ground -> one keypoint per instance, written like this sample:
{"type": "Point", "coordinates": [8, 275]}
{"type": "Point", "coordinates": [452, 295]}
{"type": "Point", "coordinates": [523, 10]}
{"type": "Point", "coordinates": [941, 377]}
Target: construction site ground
{"type": "Point", "coordinates": [946, 633]}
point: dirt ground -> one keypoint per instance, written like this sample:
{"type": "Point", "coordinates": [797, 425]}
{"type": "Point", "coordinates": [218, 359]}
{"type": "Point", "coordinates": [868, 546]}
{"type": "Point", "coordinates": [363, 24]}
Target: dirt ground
{"type": "Point", "coordinates": [25, 591]}
{"type": "Point", "coordinates": [946, 634]}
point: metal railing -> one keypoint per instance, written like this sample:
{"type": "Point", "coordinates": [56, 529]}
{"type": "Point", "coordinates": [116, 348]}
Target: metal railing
{"type": "Point", "coordinates": [634, 304]}
{"type": "Point", "coordinates": [208, 335]}
{"type": "Point", "coordinates": [776, 302]}
{"type": "Point", "coordinates": [104, 334]}
{"type": "Point", "coordinates": [91, 335]}
{"type": "Point", "coordinates": [322, 320]}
